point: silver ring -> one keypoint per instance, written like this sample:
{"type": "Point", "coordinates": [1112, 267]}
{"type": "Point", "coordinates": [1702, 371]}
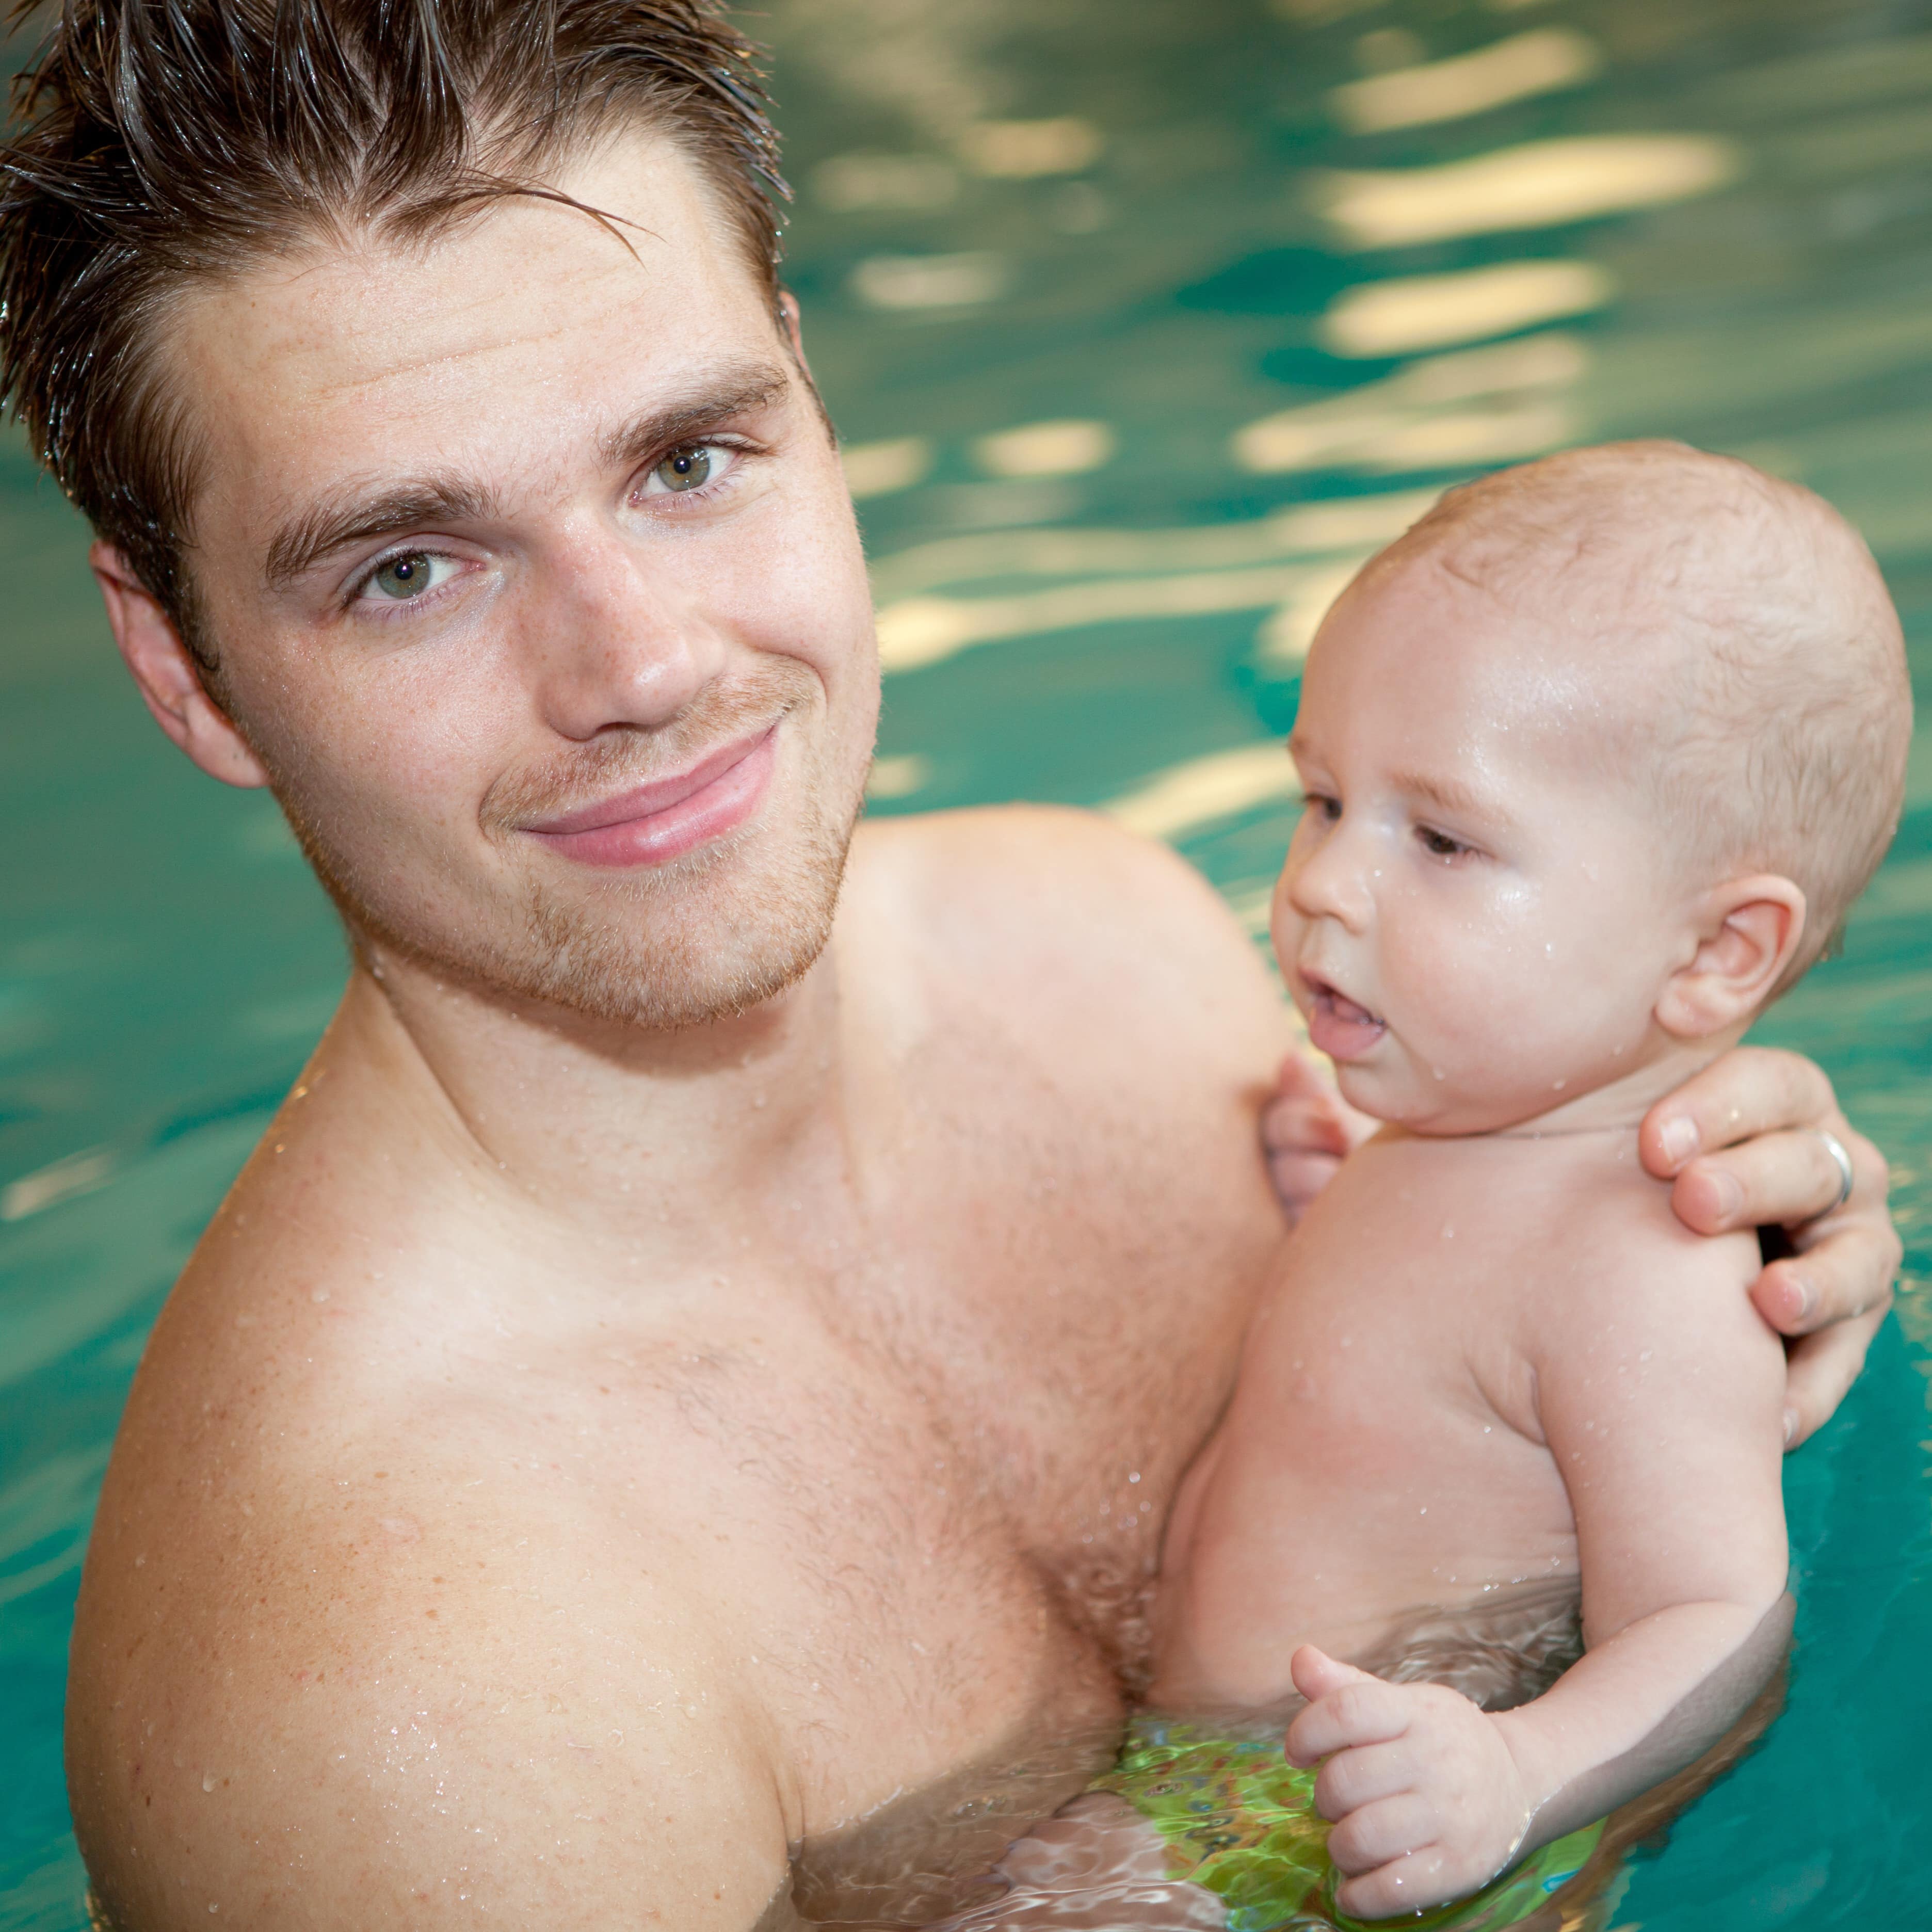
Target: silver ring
{"type": "Point", "coordinates": [1835, 1147]}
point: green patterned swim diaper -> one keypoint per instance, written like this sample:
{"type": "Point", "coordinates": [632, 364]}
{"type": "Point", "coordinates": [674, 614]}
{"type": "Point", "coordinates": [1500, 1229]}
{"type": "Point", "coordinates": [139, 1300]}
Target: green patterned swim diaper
{"type": "Point", "coordinates": [1238, 1818]}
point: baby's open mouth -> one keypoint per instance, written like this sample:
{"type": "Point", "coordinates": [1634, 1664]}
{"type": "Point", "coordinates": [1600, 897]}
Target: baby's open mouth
{"type": "Point", "coordinates": [1338, 1026]}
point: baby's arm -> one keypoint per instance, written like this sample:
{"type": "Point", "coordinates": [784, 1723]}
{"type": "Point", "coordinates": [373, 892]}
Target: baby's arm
{"type": "Point", "coordinates": [1661, 1397]}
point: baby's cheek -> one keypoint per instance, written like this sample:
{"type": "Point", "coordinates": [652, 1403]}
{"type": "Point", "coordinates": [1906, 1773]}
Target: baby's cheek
{"type": "Point", "coordinates": [1482, 1018]}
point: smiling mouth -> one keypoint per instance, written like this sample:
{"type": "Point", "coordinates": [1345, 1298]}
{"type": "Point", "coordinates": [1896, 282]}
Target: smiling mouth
{"type": "Point", "coordinates": [1339, 1026]}
{"type": "Point", "coordinates": [652, 824]}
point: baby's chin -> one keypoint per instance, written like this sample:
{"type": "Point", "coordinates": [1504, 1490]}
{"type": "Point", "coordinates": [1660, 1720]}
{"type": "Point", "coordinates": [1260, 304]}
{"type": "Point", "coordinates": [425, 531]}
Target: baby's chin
{"type": "Point", "coordinates": [1445, 1108]}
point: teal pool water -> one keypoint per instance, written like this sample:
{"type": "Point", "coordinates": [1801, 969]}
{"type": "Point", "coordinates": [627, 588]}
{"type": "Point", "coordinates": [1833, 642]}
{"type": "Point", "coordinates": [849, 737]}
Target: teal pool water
{"type": "Point", "coordinates": [1143, 320]}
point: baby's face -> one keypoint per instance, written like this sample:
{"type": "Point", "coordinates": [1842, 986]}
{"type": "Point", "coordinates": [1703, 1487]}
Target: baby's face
{"type": "Point", "coordinates": [1478, 913]}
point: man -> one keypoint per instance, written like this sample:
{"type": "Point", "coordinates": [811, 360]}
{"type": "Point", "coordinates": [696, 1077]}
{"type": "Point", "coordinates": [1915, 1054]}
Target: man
{"type": "Point", "coordinates": [674, 1424]}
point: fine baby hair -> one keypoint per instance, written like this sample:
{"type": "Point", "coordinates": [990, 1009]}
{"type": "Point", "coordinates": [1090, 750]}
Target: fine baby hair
{"type": "Point", "coordinates": [1758, 685]}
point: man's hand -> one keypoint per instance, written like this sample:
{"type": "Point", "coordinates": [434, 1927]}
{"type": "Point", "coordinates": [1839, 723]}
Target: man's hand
{"type": "Point", "coordinates": [1306, 1129]}
{"type": "Point", "coordinates": [1427, 1801]}
{"type": "Point", "coordinates": [1740, 1145]}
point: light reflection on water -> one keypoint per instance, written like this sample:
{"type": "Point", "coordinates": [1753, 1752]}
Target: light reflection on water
{"type": "Point", "coordinates": [1144, 322]}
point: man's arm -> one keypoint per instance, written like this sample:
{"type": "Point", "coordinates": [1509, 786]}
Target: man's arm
{"type": "Point", "coordinates": [331, 1753]}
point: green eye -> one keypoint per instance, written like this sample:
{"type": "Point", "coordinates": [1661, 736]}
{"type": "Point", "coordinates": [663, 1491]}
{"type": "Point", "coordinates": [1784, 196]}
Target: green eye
{"type": "Point", "coordinates": [404, 577]}
{"type": "Point", "coordinates": [685, 469]}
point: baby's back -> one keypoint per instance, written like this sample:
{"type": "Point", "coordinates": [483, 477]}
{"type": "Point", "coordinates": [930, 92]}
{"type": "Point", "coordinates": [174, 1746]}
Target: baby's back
{"type": "Point", "coordinates": [1385, 1457]}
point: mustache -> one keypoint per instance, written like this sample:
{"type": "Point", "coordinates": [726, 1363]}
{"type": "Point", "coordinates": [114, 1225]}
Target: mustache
{"type": "Point", "coordinates": [623, 756]}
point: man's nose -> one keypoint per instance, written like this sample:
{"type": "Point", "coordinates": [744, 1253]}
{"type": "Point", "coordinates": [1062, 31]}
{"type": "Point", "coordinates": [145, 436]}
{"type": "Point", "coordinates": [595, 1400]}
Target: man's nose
{"type": "Point", "coordinates": [621, 638]}
{"type": "Point", "coordinates": [1330, 877]}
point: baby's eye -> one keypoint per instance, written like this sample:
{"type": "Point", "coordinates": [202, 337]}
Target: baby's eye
{"type": "Point", "coordinates": [1439, 845]}
{"type": "Point", "coordinates": [1322, 805]}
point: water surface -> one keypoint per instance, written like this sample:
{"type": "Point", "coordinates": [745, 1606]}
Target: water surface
{"type": "Point", "coordinates": [1143, 321]}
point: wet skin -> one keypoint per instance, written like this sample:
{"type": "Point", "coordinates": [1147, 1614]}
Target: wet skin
{"type": "Point", "coordinates": [580, 1465]}
{"type": "Point", "coordinates": [584, 1462]}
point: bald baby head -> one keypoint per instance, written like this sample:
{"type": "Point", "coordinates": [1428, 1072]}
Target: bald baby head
{"type": "Point", "coordinates": [1749, 664]}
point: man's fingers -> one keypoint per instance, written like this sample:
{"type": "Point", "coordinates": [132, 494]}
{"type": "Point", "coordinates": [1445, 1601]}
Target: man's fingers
{"type": "Point", "coordinates": [1780, 1179]}
{"type": "Point", "coordinates": [1847, 1272]}
{"type": "Point", "coordinates": [1820, 1369]}
{"type": "Point", "coordinates": [1751, 1090]}
{"type": "Point", "coordinates": [1404, 1885]}
{"type": "Point", "coordinates": [1377, 1833]}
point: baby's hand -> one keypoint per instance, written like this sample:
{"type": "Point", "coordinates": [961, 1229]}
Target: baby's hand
{"type": "Point", "coordinates": [1427, 1801]}
{"type": "Point", "coordinates": [1307, 1129]}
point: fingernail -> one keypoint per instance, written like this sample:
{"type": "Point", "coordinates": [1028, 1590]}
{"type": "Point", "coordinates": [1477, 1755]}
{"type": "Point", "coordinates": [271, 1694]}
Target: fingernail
{"type": "Point", "coordinates": [1727, 1195]}
{"type": "Point", "coordinates": [1808, 1298]}
{"type": "Point", "coordinates": [1790, 1427]}
{"type": "Point", "coordinates": [1680, 1139]}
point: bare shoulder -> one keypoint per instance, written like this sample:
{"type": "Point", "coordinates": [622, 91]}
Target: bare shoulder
{"type": "Point", "coordinates": [1077, 916]}
{"type": "Point", "coordinates": [1640, 1291]}
{"type": "Point", "coordinates": [327, 1708]}
{"type": "Point", "coordinates": [352, 1649]}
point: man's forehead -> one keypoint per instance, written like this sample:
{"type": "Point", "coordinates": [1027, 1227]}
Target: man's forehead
{"type": "Point", "coordinates": [533, 315]}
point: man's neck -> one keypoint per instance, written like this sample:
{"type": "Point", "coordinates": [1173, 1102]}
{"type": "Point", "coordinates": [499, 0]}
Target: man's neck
{"type": "Point", "coordinates": [631, 1129]}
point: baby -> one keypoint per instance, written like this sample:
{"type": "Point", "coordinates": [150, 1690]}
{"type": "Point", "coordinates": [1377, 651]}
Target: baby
{"type": "Point", "coordinates": [1596, 758]}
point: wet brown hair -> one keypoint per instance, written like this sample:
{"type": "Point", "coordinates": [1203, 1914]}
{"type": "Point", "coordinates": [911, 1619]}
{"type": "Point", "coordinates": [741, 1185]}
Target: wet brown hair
{"type": "Point", "coordinates": [160, 143]}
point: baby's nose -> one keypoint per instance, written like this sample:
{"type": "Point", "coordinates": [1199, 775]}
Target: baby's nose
{"type": "Point", "coordinates": [1331, 883]}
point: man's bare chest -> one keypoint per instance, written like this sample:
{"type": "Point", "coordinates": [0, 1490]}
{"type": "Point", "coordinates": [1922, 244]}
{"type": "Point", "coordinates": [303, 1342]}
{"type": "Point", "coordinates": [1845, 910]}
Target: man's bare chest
{"type": "Point", "coordinates": [925, 1488]}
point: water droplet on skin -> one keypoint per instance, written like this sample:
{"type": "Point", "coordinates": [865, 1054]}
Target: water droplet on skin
{"type": "Point", "coordinates": [318, 1294]}
{"type": "Point", "coordinates": [208, 1784]}
{"type": "Point", "coordinates": [1557, 1086]}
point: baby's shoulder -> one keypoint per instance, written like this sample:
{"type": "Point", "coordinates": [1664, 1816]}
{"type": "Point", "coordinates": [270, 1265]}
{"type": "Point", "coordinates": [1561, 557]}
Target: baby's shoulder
{"type": "Point", "coordinates": [1631, 1268]}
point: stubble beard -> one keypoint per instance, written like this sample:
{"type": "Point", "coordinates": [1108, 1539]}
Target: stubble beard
{"type": "Point", "coordinates": [687, 973]}
{"type": "Point", "coordinates": [706, 938]}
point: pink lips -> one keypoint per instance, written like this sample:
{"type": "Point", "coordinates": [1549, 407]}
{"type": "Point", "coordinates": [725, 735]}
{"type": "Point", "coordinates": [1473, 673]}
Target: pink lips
{"type": "Point", "coordinates": [1339, 1027]}
{"type": "Point", "coordinates": [652, 824]}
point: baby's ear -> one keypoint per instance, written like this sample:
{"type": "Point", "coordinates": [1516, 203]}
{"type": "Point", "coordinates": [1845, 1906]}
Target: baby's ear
{"type": "Point", "coordinates": [1748, 930]}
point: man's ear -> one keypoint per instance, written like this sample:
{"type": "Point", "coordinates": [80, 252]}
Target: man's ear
{"type": "Point", "coordinates": [168, 676]}
{"type": "Point", "coordinates": [1750, 928]}
{"type": "Point", "coordinates": [789, 320]}
{"type": "Point", "coordinates": [794, 338]}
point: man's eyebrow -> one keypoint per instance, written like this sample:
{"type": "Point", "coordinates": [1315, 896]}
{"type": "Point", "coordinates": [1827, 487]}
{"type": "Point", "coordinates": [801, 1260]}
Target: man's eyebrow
{"type": "Point", "coordinates": [342, 518]}
{"type": "Point", "coordinates": [338, 520]}
{"type": "Point", "coordinates": [733, 392]}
